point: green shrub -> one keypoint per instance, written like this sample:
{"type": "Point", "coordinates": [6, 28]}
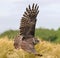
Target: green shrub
{"type": "Point", "coordinates": [45, 34]}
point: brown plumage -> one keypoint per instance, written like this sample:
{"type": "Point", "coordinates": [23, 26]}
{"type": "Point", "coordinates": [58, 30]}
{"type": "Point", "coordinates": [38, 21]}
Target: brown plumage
{"type": "Point", "coordinates": [26, 39]}
{"type": "Point", "coordinates": [26, 44]}
{"type": "Point", "coordinates": [28, 21]}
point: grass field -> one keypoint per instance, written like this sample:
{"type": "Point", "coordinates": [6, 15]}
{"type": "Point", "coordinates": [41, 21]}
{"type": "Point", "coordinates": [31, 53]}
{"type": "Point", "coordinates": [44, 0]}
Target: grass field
{"type": "Point", "coordinates": [47, 49]}
{"type": "Point", "coordinates": [49, 45]}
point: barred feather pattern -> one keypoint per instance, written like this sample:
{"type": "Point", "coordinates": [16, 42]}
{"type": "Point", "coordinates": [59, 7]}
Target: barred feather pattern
{"type": "Point", "coordinates": [28, 21]}
{"type": "Point", "coordinates": [26, 40]}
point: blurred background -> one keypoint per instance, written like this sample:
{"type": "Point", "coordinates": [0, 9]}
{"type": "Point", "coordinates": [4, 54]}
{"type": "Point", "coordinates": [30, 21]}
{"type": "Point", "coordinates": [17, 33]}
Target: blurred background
{"type": "Point", "coordinates": [11, 12]}
{"type": "Point", "coordinates": [47, 28]}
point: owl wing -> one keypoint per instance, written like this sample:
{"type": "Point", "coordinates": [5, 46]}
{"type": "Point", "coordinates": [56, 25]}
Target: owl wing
{"type": "Point", "coordinates": [28, 21]}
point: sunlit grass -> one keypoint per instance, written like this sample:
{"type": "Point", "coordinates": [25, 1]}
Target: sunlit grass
{"type": "Point", "coordinates": [47, 49]}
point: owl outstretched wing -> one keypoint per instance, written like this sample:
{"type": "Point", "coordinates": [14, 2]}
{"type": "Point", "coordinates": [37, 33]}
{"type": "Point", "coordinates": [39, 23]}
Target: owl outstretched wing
{"type": "Point", "coordinates": [28, 21]}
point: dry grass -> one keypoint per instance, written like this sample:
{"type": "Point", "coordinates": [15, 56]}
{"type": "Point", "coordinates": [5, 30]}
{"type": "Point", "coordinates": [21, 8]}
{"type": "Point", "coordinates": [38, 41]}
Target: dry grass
{"type": "Point", "coordinates": [48, 50]}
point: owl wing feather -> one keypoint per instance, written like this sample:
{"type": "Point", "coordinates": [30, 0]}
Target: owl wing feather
{"type": "Point", "coordinates": [28, 20]}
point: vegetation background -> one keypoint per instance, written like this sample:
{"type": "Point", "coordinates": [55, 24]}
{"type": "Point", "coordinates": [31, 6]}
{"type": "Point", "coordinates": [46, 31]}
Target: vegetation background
{"type": "Point", "coordinates": [49, 45]}
{"type": "Point", "coordinates": [42, 33]}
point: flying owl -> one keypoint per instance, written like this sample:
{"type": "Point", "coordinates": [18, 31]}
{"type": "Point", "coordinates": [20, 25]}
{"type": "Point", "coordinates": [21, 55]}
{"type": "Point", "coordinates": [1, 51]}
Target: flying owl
{"type": "Point", "coordinates": [26, 39]}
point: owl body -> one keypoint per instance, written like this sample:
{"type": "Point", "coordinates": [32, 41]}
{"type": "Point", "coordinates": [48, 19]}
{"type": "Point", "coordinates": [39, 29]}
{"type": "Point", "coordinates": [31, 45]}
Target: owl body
{"type": "Point", "coordinates": [26, 39]}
